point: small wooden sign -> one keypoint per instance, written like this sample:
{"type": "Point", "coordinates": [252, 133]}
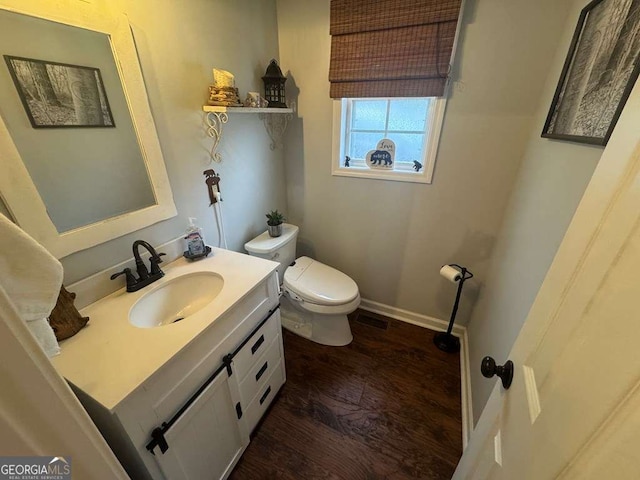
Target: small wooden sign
{"type": "Point", "coordinates": [383, 157]}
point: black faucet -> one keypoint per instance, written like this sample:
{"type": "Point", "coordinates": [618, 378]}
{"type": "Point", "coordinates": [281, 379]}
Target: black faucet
{"type": "Point", "coordinates": [145, 277]}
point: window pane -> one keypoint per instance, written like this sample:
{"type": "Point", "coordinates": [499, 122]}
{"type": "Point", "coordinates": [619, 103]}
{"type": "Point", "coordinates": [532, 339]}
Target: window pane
{"type": "Point", "coordinates": [408, 114]}
{"type": "Point", "coordinates": [361, 143]}
{"type": "Point", "coordinates": [368, 114]}
{"type": "Point", "coordinates": [408, 146]}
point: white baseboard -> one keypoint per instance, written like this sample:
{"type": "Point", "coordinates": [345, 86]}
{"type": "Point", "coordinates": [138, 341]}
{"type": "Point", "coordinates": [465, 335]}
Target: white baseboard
{"type": "Point", "coordinates": [426, 321]}
{"type": "Point", "coordinates": [438, 325]}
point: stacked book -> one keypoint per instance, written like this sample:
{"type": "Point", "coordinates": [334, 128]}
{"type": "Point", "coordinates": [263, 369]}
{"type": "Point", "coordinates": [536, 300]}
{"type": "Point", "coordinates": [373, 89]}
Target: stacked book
{"type": "Point", "coordinates": [224, 96]}
{"type": "Point", "coordinates": [223, 92]}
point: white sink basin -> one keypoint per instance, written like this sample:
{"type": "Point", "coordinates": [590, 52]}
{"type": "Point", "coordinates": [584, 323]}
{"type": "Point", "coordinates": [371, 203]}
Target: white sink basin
{"type": "Point", "coordinates": [176, 300]}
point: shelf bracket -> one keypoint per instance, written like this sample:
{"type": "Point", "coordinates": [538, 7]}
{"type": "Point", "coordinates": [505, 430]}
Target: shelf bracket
{"type": "Point", "coordinates": [275, 125]}
{"type": "Point", "coordinates": [215, 121]}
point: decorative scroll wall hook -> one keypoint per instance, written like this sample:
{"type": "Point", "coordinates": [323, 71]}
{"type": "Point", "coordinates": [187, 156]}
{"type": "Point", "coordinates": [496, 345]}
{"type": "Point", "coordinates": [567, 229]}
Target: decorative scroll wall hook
{"type": "Point", "coordinates": [212, 180]}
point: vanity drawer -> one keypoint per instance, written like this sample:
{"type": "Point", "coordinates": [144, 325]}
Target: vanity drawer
{"type": "Point", "coordinates": [261, 371]}
{"type": "Point", "coordinates": [259, 343]}
{"type": "Point", "coordinates": [265, 396]}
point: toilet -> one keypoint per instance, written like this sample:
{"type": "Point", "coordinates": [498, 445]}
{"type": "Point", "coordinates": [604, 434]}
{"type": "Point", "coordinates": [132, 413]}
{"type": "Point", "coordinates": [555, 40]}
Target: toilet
{"type": "Point", "coordinates": [316, 298]}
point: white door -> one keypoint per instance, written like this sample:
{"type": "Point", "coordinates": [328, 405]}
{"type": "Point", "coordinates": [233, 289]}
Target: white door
{"type": "Point", "coordinates": [207, 440]}
{"type": "Point", "coordinates": [573, 410]}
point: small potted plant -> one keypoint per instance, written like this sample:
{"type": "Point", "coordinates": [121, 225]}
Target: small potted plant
{"type": "Point", "coordinates": [274, 223]}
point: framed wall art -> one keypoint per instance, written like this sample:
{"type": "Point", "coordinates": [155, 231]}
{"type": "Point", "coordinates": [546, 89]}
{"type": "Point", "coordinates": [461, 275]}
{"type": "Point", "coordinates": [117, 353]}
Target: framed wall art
{"type": "Point", "coordinates": [600, 70]}
{"type": "Point", "coordinates": [58, 95]}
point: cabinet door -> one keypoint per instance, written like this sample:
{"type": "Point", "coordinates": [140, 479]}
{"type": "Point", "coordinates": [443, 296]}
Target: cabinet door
{"type": "Point", "coordinates": [206, 441]}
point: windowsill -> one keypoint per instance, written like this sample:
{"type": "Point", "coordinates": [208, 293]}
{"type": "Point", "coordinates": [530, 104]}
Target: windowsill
{"type": "Point", "coordinates": [394, 176]}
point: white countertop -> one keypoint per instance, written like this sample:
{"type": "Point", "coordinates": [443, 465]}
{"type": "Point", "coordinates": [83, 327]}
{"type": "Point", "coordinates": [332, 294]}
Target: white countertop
{"type": "Point", "coordinates": [109, 358]}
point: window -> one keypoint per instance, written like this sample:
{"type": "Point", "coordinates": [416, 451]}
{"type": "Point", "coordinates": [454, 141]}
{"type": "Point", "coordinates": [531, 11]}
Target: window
{"type": "Point", "coordinates": [389, 69]}
{"type": "Point", "coordinates": [413, 124]}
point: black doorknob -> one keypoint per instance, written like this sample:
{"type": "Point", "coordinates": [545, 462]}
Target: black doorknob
{"type": "Point", "coordinates": [505, 372]}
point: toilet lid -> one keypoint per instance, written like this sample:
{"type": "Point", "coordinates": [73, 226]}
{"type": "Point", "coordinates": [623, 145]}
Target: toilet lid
{"type": "Point", "coordinates": [265, 243]}
{"type": "Point", "coordinates": [318, 283]}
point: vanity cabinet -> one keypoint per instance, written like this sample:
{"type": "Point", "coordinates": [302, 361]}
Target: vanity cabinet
{"type": "Point", "coordinates": [209, 423]}
{"type": "Point", "coordinates": [192, 418]}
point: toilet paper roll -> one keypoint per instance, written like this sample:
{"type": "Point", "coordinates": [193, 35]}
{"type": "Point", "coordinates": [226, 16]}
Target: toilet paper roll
{"type": "Point", "coordinates": [450, 273]}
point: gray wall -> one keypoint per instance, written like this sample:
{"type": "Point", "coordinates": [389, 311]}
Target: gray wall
{"type": "Point", "coordinates": [548, 188]}
{"type": "Point", "coordinates": [178, 45]}
{"type": "Point", "coordinates": [83, 174]}
{"type": "Point", "coordinates": [390, 237]}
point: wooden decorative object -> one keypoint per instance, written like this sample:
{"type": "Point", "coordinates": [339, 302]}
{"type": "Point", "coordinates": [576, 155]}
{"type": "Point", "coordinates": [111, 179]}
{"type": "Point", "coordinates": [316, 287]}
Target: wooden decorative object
{"type": "Point", "coordinates": [383, 157]}
{"type": "Point", "coordinates": [212, 180]}
{"type": "Point", "coordinates": [65, 319]}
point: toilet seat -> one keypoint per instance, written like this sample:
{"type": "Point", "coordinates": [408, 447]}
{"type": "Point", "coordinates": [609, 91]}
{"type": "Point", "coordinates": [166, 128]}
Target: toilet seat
{"type": "Point", "coordinates": [319, 285]}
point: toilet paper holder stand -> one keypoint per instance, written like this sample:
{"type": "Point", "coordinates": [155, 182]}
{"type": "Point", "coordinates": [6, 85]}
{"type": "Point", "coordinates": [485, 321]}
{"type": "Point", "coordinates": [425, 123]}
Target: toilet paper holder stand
{"type": "Point", "coordinates": [445, 341]}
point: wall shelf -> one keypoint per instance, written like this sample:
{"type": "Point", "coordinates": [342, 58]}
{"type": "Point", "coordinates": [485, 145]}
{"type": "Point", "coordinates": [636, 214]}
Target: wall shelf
{"type": "Point", "coordinates": [275, 122]}
{"type": "Point", "coordinates": [209, 108]}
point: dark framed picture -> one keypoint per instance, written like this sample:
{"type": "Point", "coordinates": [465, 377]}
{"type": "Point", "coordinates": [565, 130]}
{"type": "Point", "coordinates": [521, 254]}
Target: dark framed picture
{"type": "Point", "coordinates": [599, 72]}
{"type": "Point", "coordinates": [59, 95]}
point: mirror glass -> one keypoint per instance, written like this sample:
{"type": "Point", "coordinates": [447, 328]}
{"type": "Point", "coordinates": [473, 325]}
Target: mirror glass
{"type": "Point", "coordinates": [64, 106]}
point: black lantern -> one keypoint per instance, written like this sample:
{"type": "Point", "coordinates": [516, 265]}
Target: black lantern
{"type": "Point", "coordinates": [274, 86]}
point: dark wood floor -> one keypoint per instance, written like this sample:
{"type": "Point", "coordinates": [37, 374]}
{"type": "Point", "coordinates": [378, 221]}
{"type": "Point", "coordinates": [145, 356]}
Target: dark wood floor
{"type": "Point", "coordinates": [386, 406]}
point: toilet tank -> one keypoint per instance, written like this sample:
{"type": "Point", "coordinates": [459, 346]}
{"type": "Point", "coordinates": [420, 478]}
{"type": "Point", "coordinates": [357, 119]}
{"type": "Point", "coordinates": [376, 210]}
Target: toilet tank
{"type": "Point", "coordinates": [280, 249]}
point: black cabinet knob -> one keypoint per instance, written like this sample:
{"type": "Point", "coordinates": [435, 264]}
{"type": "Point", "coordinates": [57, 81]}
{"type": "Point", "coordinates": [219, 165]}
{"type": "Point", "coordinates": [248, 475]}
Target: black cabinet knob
{"type": "Point", "coordinates": [505, 372]}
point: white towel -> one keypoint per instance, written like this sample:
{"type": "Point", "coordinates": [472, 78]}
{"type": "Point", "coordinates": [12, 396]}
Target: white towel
{"type": "Point", "coordinates": [45, 336]}
{"type": "Point", "coordinates": [32, 277]}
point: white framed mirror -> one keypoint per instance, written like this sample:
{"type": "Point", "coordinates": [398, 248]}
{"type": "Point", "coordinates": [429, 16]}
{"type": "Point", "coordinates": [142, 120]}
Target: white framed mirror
{"type": "Point", "coordinates": [80, 157]}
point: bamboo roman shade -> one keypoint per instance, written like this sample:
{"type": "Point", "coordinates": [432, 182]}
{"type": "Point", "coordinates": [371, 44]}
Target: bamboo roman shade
{"type": "Point", "coordinates": [391, 48]}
